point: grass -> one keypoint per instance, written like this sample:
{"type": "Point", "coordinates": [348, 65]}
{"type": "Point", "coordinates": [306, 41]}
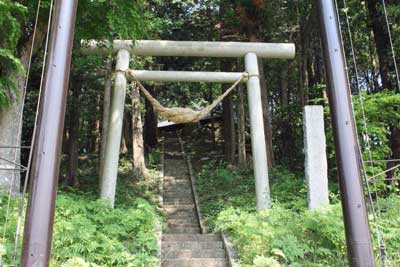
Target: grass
{"type": "Point", "coordinates": [88, 233]}
{"type": "Point", "coordinates": [287, 234]}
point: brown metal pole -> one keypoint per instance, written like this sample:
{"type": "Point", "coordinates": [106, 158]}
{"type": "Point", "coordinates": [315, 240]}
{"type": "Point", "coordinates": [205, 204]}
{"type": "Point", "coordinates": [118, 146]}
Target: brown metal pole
{"type": "Point", "coordinates": [359, 247]}
{"type": "Point", "coordinates": [40, 213]}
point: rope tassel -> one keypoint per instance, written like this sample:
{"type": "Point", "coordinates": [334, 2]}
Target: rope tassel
{"type": "Point", "coordinates": [186, 115]}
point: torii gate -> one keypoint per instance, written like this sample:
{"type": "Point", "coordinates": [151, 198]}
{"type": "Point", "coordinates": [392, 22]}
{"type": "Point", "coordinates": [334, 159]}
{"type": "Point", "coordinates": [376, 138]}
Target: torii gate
{"type": "Point", "coordinates": [250, 51]}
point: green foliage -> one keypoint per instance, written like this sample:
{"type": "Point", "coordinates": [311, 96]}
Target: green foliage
{"type": "Point", "coordinates": [287, 234]}
{"type": "Point", "coordinates": [88, 233]}
{"type": "Point", "coordinates": [117, 19]}
{"type": "Point", "coordinates": [220, 188]}
{"type": "Point", "coordinates": [381, 112]}
{"type": "Point", "coordinates": [107, 237]}
{"type": "Point", "coordinates": [12, 17]}
{"type": "Point", "coordinates": [291, 238]}
{"type": "Point", "coordinates": [389, 221]}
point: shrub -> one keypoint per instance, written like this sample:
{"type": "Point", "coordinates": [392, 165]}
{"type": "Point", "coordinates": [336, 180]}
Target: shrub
{"type": "Point", "coordinates": [288, 234]}
{"type": "Point", "coordinates": [88, 233]}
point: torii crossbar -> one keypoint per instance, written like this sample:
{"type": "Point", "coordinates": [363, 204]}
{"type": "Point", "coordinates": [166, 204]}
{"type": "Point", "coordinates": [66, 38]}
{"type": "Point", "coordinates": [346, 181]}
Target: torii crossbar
{"type": "Point", "coordinates": [250, 51]}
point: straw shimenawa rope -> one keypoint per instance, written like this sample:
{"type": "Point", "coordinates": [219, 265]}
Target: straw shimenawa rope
{"type": "Point", "coordinates": [185, 115]}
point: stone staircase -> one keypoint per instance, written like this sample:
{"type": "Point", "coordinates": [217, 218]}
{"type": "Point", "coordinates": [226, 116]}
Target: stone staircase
{"type": "Point", "coordinates": [183, 244]}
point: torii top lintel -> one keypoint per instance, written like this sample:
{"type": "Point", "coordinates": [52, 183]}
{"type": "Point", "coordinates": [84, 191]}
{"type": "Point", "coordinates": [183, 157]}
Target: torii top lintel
{"type": "Point", "coordinates": [191, 48]}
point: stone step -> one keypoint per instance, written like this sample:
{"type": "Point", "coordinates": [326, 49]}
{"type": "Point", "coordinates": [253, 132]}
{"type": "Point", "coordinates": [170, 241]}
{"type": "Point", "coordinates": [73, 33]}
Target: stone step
{"type": "Point", "coordinates": [182, 216]}
{"type": "Point", "coordinates": [174, 183]}
{"type": "Point", "coordinates": [192, 245]}
{"type": "Point", "coordinates": [190, 220]}
{"type": "Point", "coordinates": [194, 263]}
{"type": "Point", "coordinates": [191, 237]}
{"type": "Point", "coordinates": [177, 190]}
{"type": "Point", "coordinates": [182, 225]}
{"type": "Point", "coordinates": [189, 206]}
{"type": "Point", "coordinates": [178, 196]}
{"type": "Point", "coordinates": [182, 221]}
{"type": "Point", "coordinates": [171, 180]}
{"type": "Point", "coordinates": [179, 212]}
{"type": "Point", "coordinates": [178, 202]}
{"type": "Point", "coordinates": [185, 230]}
{"type": "Point", "coordinates": [174, 179]}
{"type": "Point", "coordinates": [185, 207]}
{"type": "Point", "coordinates": [193, 253]}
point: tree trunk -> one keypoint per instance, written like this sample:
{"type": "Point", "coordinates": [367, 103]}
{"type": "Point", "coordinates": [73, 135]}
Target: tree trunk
{"type": "Point", "coordinates": [123, 148]}
{"type": "Point", "coordinates": [285, 126]}
{"type": "Point", "coordinates": [303, 40]}
{"type": "Point", "coordinates": [213, 125]}
{"type": "Point", "coordinates": [150, 124]}
{"type": "Point", "coordinates": [284, 87]}
{"type": "Point", "coordinates": [229, 129]}
{"type": "Point", "coordinates": [73, 146]}
{"type": "Point", "coordinates": [241, 127]}
{"type": "Point", "coordinates": [386, 67]}
{"type": "Point", "coordinates": [382, 41]}
{"type": "Point", "coordinates": [97, 137]}
{"type": "Point", "coordinates": [395, 147]}
{"type": "Point", "coordinates": [11, 123]}
{"type": "Point", "coordinates": [265, 106]}
{"type": "Point", "coordinates": [127, 133]}
{"type": "Point", "coordinates": [106, 116]}
{"type": "Point", "coordinates": [229, 123]}
{"type": "Point", "coordinates": [266, 115]}
{"type": "Point", "coordinates": [139, 166]}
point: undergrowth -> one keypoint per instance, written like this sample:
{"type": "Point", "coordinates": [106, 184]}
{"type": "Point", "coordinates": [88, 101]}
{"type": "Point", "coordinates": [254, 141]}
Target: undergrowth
{"type": "Point", "coordinates": [287, 234]}
{"type": "Point", "coordinates": [88, 233]}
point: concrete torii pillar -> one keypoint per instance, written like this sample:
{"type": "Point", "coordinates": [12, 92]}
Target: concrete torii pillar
{"type": "Point", "coordinates": [111, 159]}
{"type": "Point", "coordinates": [250, 51]}
{"type": "Point", "coordinates": [258, 146]}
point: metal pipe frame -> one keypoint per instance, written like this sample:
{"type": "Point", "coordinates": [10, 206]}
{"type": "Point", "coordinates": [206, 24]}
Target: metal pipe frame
{"type": "Point", "coordinates": [189, 49]}
{"type": "Point", "coordinates": [43, 188]}
{"type": "Point", "coordinates": [185, 76]}
{"type": "Point", "coordinates": [358, 237]}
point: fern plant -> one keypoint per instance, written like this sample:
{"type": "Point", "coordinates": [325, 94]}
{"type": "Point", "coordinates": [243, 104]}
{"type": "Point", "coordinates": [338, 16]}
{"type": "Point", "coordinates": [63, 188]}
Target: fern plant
{"type": "Point", "coordinates": [12, 17]}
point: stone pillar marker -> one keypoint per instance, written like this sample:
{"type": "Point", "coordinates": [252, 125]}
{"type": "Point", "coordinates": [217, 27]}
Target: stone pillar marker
{"type": "Point", "coordinates": [316, 168]}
